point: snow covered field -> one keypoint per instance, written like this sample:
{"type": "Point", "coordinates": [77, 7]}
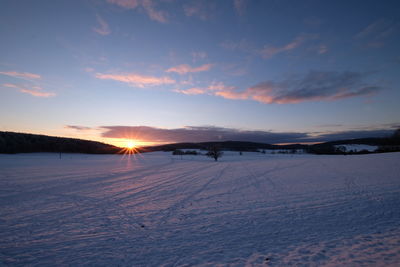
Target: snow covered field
{"type": "Point", "coordinates": [160, 210]}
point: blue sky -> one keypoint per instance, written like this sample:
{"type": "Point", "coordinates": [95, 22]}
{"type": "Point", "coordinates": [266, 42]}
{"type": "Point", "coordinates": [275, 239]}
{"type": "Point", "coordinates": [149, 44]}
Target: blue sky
{"type": "Point", "coordinates": [170, 71]}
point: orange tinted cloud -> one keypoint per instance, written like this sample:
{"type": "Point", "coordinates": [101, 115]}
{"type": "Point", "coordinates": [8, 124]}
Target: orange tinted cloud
{"type": "Point", "coordinates": [21, 74]}
{"type": "Point", "coordinates": [136, 79]}
{"type": "Point", "coordinates": [185, 68]}
{"type": "Point", "coordinates": [35, 91]}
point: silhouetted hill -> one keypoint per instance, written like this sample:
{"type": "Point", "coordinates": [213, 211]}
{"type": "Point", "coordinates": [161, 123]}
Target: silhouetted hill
{"type": "Point", "coordinates": [384, 144]}
{"type": "Point", "coordinates": [11, 142]}
{"type": "Point", "coordinates": [225, 145]}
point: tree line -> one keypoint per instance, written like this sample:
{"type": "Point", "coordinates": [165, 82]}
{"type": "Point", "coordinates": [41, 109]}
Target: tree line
{"type": "Point", "coordinates": [11, 143]}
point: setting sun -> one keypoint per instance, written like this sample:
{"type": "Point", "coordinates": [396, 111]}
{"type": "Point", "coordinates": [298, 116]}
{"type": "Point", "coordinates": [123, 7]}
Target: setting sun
{"type": "Point", "coordinates": [130, 144]}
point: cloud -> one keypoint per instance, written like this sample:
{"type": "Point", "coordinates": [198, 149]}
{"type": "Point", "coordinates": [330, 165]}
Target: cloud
{"type": "Point", "coordinates": [103, 28]}
{"type": "Point", "coordinates": [25, 75]}
{"type": "Point", "coordinates": [34, 91]}
{"type": "Point", "coordinates": [137, 80]}
{"type": "Point", "coordinates": [37, 93]}
{"type": "Point", "coordinates": [376, 32]}
{"type": "Point", "coordinates": [376, 28]}
{"type": "Point", "coordinates": [240, 6]}
{"type": "Point", "coordinates": [147, 5]}
{"type": "Point", "coordinates": [213, 133]}
{"type": "Point", "coordinates": [352, 134]}
{"type": "Point", "coordinates": [192, 91]}
{"type": "Point", "coordinates": [78, 128]}
{"type": "Point", "coordinates": [128, 4]}
{"type": "Point", "coordinates": [213, 89]}
{"type": "Point", "coordinates": [153, 13]}
{"type": "Point", "coordinates": [269, 51]}
{"type": "Point", "coordinates": [201, 9]}
{"type": "Point", "coordinates": [196, 134]}
{"type": "Point", "coordinates": [242, 45]}
{"type": "Point", "coordinates": [200, 55]}
{"type": "Point", "coordinates": [322, 49]}
{"type": "Point", "coordinates": [185, 68]}
{"type": "Point", "coordinates": [314, 86]}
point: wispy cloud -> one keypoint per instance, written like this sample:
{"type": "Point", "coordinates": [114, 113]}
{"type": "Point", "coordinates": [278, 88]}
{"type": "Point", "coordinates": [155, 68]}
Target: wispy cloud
{"type": "Point", "coordinates": [153, 12]}
{"type": "Point", "coordinates": [242, 45]}
{"type": "Point", "coordinates": [213, 89]}
{"type": "Point", "coordinates": [148, 6]}
{"type": "Point", "coordinates": [185, 68]}
{"type": "Point", "coordinates": [77, 127]}
{"type": "Point", "coordinates": [25, 75]}
{"type": "Point", "coordinates": [135, 79]}
{"type": "Point", "coordinates": [314, 86]}
{"type": "Point", "coordinates": [201, 9]}
{"type": "Point", "coordinates": [322, 49]}
{"type": "Point", "coordinates": [379, 28]}
{"type": "Point", "coordinates": [103, 28]}
{"type": "Point", "coordinates": [240, 6]}
{"type": "Point", "coordinates": [192, 91]}
{"type": "Point", "coordinates": [376, 32]}
{"type": "Point", "coordinates": [34, 91]}
{"type": "Point", "coordinates": [128, 4]}
{"type": "Point", "coordinates": [200, 55]}
{"type": "Point", "coordinates": [213, 133]}
{"type": "Point", "coordinates": [269, 51]}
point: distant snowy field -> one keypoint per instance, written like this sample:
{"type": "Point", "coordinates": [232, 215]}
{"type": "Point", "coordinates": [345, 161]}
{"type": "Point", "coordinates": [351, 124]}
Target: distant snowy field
{"type": "Point", "coordinates": [160, 210]}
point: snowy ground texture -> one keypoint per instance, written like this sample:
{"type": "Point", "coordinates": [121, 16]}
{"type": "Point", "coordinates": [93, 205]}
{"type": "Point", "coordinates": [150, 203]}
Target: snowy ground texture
{"type": "Point", "coordinates": [160, 210]}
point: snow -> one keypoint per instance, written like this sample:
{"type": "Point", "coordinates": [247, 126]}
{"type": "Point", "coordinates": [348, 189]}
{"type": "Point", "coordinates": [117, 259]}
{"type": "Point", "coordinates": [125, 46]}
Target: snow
{"type": "Point", "coordinates": [157, 209]}
{"type": "Point", "coordinates": [357, 147]}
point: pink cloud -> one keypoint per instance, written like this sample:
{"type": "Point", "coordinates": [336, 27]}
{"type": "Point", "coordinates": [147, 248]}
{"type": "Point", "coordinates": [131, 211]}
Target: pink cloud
{"type": "Point", "coordinates": [232, 95]}
{"type": "Point", "coordinates": [21, 74]}
{"type": "Point", "coordinates": [153, 13]}
{"type": "Point", "coordinates": [214, 88]}
{"type": "Point", "coordinates": [103, 28]}
{"type": "Point", "coordinates": [10, 85]}
{"type": "Point", "coordinates": [220, 86]}
{"type": "Point", "coordinates": [185, 68]}
{"type": "Point", "coordinates": [200, 9]}
{"type": "Point", "coordinates": [137, 80]}
{"type": "Point", "coordinates": [147, 5]}
{"type": "Point", "coordinates": [192, 91]}
{"type": "Point", "coordinates": [35, 91]}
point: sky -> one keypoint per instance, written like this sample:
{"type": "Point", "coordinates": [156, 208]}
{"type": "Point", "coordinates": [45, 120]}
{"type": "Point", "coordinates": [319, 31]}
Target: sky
{"type": "Point", "coordinates": [164, 71]}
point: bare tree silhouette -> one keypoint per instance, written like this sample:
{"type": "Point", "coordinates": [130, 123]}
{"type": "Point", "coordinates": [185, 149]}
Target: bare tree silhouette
{"type": "Point", "coordinates": [214, 152]}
